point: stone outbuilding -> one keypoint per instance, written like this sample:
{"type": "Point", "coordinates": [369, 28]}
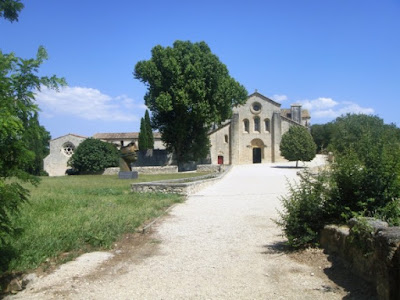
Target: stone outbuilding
{"type": "Point", "coordinates": [61, 149]}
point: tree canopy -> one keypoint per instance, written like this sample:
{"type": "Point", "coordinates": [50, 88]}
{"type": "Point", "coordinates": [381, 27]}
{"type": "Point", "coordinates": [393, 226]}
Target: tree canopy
{"type": "Point", "coordinates": [9, 9]}
{"type": "Point", "coordinates": [297, 144]}
{"type": "Point", "coordinates": [92, 156]}
{"type": "Point", "coordinates": [18, 111]}
{"type": "Point", "coordinates": [189, 89]}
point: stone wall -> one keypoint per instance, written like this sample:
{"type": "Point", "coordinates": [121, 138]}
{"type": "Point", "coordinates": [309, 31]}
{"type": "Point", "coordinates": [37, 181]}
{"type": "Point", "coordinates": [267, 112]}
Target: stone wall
{"type": "Point", "coordinates": [373, 253]}
{"type": "Point", "coordinates": [156, 170]}
{"type": "Point", "coordinates": [153, 157]}
{"type": "Point", "coordinates": [186, 186]}
{"type": "Point", "coordinates": [211, 168]}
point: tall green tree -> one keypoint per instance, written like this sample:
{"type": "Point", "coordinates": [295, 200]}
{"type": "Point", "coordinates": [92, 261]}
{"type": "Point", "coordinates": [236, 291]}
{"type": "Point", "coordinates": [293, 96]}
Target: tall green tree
{"type": "Point", "coordinates": [297, 144]}
{"type": "Point", "coordinates": [150, 138]}
{"type": "Point", "coordinates": [37, 139]}
{"type": "Point", "coordinates": [18, 83]}
{"type": "Point", "coordinates": [143, 136]}
{"type": "Point", "coordinates": [189, 89]}
{"type": "Point", "coordinates": [322, 135]}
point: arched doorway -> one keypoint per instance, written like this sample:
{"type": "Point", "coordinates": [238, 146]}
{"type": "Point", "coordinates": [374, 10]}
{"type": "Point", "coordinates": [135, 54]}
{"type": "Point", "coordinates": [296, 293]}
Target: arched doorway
{"type": "Point", "coordinates": [257, 146]}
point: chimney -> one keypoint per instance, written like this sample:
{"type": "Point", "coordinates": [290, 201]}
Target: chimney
{"type": "Point", "coordinates": [295, 110]}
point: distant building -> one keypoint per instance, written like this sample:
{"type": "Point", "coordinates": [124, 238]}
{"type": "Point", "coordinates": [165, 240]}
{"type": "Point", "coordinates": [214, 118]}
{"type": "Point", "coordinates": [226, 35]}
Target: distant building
{"type": "Point", "coordinates": [254, 133]}
{"type": "Point", "coordinates": [124, 138]}
{"type": "Point", "coordinates": [62, 148]}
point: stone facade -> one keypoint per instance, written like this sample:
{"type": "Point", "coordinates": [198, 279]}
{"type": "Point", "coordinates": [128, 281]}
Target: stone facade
{"type": "Point", "coordinates": [61, 149]}
{"type": "Point", "coordinates": [254, 133]}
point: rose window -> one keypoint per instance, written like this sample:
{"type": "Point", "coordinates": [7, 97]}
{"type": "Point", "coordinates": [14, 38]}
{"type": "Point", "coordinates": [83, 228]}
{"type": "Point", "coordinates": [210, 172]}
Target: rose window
{"type": "Point", "coordinates": [68, 149]}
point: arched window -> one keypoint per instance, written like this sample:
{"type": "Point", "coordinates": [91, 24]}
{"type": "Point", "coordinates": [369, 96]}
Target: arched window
{"type": "Point", "coordinates": [267, 125]}
{"type": "Point", "coordinates": [246, 125]}
{"type": "Point", "coordinates": [257, 124]}
{"type": "Point", "coordinates": [226, 138]}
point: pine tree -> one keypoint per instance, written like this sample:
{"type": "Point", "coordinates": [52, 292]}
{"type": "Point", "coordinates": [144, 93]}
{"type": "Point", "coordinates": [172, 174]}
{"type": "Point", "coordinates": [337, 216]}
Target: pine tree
{"type": "Point", "coordinates": [150, 138]}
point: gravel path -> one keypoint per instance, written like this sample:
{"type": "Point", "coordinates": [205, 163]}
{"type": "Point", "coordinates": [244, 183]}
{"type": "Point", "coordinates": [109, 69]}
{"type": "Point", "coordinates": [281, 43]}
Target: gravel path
{"type": "Point", "coordinates": [219, 244]}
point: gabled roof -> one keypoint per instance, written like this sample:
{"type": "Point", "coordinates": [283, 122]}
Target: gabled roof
{"type": "Point", "coordinates": [75, 135]}
{"type": "Point", "coordinates": [121, 135]}
{"type": "Point", "coordinates": [257, 94]}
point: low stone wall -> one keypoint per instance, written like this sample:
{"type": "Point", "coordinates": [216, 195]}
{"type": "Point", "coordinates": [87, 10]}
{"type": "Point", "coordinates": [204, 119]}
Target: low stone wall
{"type": "Point", "coordinates": [211, 168]}
{"type": "Point", "coordinates": [186, 186]}
{"type": "Point", "coordinates": [111, 171]}
{"type": "Point", "coordinates": [373, 254]}
{"type": "Point", "coordinates": [156, 170]}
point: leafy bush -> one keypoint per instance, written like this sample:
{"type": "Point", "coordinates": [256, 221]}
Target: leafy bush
{"type": "Point", "coordinates": [364, 180]}
{"type": "Point", "coordinates": [92, 156]}
{"type": "Point", "coordinates": [304, 213]}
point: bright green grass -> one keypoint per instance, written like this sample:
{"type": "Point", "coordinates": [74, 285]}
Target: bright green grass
{"type": "Point", "coordinates": [81, 213]}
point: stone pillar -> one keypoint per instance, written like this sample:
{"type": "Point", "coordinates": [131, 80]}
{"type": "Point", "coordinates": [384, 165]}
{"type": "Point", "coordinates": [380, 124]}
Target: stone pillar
{"type": "Point", "coordinates": [276, 133]}
{"type": "Point", "coordinates": [234, 140]}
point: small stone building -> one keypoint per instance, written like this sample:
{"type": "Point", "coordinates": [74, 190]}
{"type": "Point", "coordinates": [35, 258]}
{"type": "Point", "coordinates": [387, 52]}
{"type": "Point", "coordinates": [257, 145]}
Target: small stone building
{"type": "Point", "coordinates": [254, 133]}
{"type": "Point", "coordinates": [62, 148]}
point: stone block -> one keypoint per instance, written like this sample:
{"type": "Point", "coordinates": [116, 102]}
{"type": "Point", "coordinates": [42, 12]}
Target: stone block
{"type": "Point", "coordinates": [128, 175]}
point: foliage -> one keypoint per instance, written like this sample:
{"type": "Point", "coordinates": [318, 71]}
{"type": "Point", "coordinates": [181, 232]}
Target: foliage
{"type": "Point", "coordinates": [363, 181]}
{"type": "Point", "coordinates": [9, 9]}
{"type": "Point", "coordinates": [36, 139]}
{"type": "Point", "coordinates": [189, 89]}
{"type": "Point", "coordinates": [322, 136]}
{"type": "Point", "coordinates": [146, 140]}
{"type": "Point", "coordinates": [304, 214]}
{"type": "Point", "coordinates": [147, 123]}
{"type": "Point", "coordinates": [92, 156]}
{"type": "Point", "coordinates": [297, 144]}
{"type": "Point", "coordinates": [143, 136]}
{"type": "Point", "coordinates": [18, 82]}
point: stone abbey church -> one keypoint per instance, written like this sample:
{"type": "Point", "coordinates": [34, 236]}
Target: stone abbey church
{"type": "Point", "coordinates": [252, 135]}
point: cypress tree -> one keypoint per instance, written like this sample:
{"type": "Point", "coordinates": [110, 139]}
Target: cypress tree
{"type": "Point", "coordinates": [150, 138]}
{"type": "Point", "coordinates": [143, 136]}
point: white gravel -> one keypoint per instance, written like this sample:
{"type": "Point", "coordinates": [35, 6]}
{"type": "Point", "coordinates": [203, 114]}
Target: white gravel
{"type": "Point", "coordinates": [219, 244]}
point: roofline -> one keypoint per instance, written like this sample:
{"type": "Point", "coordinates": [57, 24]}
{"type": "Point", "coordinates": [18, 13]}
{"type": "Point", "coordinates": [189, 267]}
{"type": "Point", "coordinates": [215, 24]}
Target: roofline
{"type": "Point", "coordinates": [217, 129]}
{"type": "Point", "coordinates": [291, 121]}
{"type": "Point", "coordinates": [264, 98]}
{"type": "Point", "coordinates": [75, 135]}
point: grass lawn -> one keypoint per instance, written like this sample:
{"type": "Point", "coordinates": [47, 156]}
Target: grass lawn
{"type": "Point", "coordinates": [76, 214]}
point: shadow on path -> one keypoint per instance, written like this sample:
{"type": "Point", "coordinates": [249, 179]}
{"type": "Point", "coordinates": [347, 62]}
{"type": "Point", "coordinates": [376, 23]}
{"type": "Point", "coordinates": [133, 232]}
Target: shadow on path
{"type": "Point", "coordinates": [334, 268]}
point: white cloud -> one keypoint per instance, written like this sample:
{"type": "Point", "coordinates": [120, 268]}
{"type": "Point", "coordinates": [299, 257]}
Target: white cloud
{"type": "Point", "coordinates": [328, 109]}
{"type": "Point", "coordinates": [319, 104]}
{"type": "Point", "coordinates": [88, 104]}
{"type": "Point", "coordinates": [279, 98]}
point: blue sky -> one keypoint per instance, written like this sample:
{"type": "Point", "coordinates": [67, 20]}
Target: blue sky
{"type": "Point", "coordinates": [333, 56]}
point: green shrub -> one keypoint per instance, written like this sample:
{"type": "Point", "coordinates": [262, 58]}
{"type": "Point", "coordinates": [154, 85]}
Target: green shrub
{"type": "Point", "coordinates": [304, 214]}
{"type": "Point", "coordinates": [93, 156]}
{"type": "Point", "coordinates": [364, 181]}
